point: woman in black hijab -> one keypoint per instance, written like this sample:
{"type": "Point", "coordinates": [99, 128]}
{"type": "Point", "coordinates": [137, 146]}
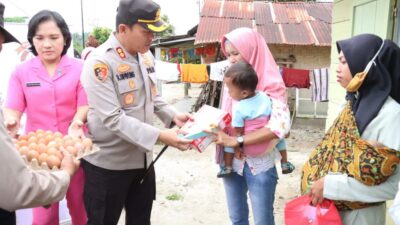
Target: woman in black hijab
{"type": "Point", "coordinates": [355, 163]}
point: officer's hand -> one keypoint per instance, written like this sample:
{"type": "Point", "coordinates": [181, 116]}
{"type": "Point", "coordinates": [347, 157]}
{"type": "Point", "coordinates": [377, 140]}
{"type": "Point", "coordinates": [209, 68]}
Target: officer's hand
{"type": "Point", "coordinates": [12, 126]}
{"type": "Point", "coordinates": [170, 137]}
{"type": "Point", "coordinates": [69, 164]}
{"type": "Point", "coordinates": [76, 129]}
{"type": "Point", "coordinates": [181, 118]}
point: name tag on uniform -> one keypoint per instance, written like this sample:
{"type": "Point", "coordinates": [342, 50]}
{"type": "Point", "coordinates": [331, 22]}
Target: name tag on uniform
{"type": "Point", "coordinates": [33, 84]}
{"type": "Point", "coordinates": [124, 76]}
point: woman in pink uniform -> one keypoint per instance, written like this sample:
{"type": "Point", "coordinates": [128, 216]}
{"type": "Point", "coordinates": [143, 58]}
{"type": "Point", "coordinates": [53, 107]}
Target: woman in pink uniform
{"type": "Point", "coordinates": [47, 88]}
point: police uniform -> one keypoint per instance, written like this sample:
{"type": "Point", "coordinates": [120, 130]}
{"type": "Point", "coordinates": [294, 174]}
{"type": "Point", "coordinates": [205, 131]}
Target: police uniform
{"type": "Point", "coordinates": [123, 99]}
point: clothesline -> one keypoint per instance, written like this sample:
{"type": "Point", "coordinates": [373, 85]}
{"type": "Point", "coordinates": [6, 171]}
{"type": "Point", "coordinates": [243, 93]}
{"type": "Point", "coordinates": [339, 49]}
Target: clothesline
{"type": "Point", "coordinates": [190, 73]}
{"type": "Point", "coordinates": [201, 73]}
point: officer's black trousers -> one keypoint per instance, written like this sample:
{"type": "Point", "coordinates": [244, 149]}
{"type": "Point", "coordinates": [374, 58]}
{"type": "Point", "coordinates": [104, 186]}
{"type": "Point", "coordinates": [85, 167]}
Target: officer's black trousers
{"type": "Point", "coordinates": [107, 192]}
{"type": "Point", "coordinates": [7, 218]}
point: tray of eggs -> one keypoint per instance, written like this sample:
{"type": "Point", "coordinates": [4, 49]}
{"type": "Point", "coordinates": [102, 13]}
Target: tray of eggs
{"type": "Point", "coordinates": [42, 149]}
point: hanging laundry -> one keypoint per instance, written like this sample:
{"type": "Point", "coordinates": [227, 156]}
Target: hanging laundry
{"type": "Point", "coordinates": [296, 78]}
{"type": "Point", "coordinates": [217, 70]}
{"type": "Point", "coordinates": [166, 71]}
{"type": "Point", "coordinates": [194, 73]}
{"type": "Point", "coordinates": [319, 86]}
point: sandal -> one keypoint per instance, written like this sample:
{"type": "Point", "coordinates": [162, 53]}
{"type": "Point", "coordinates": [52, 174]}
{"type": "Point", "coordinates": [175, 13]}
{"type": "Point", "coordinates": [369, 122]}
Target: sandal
{"type": "Point", "coordinates": [224, 172]}
{"type": "Point", "coordinates": [287, 167]}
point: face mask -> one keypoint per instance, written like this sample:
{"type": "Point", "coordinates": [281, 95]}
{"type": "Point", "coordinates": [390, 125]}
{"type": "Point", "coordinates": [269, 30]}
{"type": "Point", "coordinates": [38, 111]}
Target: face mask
{"type": "Point", "coordinates": [358, 79]}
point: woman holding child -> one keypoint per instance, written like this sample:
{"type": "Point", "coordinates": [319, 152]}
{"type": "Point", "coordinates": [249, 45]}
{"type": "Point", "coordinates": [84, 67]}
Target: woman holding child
{"type": "Point", "coordinates": [258, 175]}
{"type": "Point", "coordinates": [356, 162]}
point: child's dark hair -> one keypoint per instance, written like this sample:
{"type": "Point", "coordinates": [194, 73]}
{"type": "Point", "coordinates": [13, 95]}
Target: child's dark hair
{"type": "Point", "coordinates": [243, 76]}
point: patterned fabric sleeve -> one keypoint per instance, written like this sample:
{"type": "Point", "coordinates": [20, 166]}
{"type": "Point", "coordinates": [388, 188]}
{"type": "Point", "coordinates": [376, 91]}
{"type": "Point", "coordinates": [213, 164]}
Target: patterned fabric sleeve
{"type": "Point", "coordinates": [279, 122]}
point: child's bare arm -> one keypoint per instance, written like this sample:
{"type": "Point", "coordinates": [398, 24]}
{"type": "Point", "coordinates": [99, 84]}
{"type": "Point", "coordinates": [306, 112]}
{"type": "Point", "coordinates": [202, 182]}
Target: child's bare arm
{"type": "Point", "coordinates": [239, 152]}
{"type": "Point", "coordinates": [239, 131]}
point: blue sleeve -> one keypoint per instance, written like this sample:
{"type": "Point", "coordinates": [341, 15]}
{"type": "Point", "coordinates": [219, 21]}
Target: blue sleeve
{"type": "Point", "coordinates": [237, 117]}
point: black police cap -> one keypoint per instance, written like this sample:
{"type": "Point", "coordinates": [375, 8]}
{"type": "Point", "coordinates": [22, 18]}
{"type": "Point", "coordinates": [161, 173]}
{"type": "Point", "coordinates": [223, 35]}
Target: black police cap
{"type": "Point", "coordinates": [144, 12]}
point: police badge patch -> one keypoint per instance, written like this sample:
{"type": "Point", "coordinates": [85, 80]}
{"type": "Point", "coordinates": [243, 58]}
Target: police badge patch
{"type": "Point", "coordinates": [101, 71]}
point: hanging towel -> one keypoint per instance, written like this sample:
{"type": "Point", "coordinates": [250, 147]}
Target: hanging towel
{"type": "Point", "coordinates": [320, 79]}
{"type": "Point", "coordinates": [296, 78]}
{"type": "Point", "coordinates": [166, 71]}
{"type": "Point", "coordinates": [194, 73]}
{"type": "Point", "coordinates": [217, 70]}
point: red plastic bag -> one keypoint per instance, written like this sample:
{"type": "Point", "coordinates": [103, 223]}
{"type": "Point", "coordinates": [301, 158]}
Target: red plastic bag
{"type": "Point", "coordinates": [299, 211]}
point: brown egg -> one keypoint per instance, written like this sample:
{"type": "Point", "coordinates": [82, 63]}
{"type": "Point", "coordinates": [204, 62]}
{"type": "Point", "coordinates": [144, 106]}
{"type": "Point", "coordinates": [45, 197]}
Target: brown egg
{"type": "Point", "coordinates": [51, 151]}
{"type": "Point", "coordinates": [43, 158]}
{"type": "Point", "coordinates": [33, 146]}
{"type": "Point", "coordinates": [31, 134]}
{"type": "Point", "coordinates": [58, 134]}
{"type": "Point", "coordinates": [67, 137]}
{"type": "Point", "coordinates": [42, 141]}
{"type": "Point", "coordinates": [23, 137]}
{"type": "Point", "coordinates": [72, 150]}
{"type": "Point", "coordinates": [23, 143]}
{"type": "Point", "coordinates": [68, 142]}
{"type": "Point", "coordinates": [48, 138]}
{"type": "Point", "coordinates": [49, 132]}
{"type": "Point", "coordinates": [59, 155]}
{"type": "Point", "coordinates": [53, 161]}
{"type": "Point", "coordinates": [41, 148]}
{"type": "Point", "coordinates": [52, 144]}
{"type": "Point", "coordinates": [39, 131]}
{"type": "Point", "coordinates": [32, 154]}
{"type": "Point", "coordinates": [87, 142]}
{"type": "Point", "coordinates": [23, 150]}
{"type": "Point", "coordinates": [58, 139]}
{"type": "Point", "coordinates": [40, 136]}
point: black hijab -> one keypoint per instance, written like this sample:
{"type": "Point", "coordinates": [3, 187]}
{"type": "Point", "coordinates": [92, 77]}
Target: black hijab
{"type": "Point", "coordinates": [383, 78]}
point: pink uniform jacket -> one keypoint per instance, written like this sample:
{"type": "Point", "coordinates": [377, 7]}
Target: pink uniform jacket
{"type": "Point", "coordinates": [50, 103]}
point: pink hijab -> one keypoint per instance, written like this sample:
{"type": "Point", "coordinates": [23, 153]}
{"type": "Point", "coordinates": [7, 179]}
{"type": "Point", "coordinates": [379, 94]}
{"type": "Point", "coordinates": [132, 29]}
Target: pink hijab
{"type": "Point", "coordinates": [252, 47]}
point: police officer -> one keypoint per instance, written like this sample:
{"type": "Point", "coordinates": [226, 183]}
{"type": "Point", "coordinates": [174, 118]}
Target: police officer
{"type": "Point", "coordinates": [21, 187]}
{"type": "Point", "coordinates": [120, 82]}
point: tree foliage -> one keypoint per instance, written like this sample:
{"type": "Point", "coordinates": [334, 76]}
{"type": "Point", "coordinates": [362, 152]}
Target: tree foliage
{"type": "Point", "coordinates": [77, 41]}
{"type": "Point", "coordinates": [101, 34]}
{"type": "Point", "coordinates": [168, 32]}
{"type": "Point", "coordinates": [16, 19]}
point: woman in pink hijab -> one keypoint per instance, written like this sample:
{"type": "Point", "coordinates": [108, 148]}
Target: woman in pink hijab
{"type": "Point", "coordinates": [255, 175]}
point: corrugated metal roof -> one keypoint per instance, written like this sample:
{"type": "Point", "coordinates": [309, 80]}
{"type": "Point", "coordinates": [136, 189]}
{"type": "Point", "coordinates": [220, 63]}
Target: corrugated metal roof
{"type": "Point", "coordinates": [294, 23]}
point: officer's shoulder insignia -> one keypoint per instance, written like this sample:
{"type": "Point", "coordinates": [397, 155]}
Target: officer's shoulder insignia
{"type": "Point", "coordinates": [123, 68]}
{"type": "Point", "coordinates": [100, 71]}
{"type": "Point", "coordinates": [120, 52]}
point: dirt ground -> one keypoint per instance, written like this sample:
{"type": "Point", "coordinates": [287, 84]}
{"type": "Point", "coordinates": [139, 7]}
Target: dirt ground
{"type": "Point", "coordinates": [188, 191]}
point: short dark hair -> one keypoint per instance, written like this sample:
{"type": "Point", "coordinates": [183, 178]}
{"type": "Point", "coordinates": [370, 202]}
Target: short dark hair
{"type": "Point", "coordinates": [243, 76]}
{"type": "Point", "coordinates": [119, 20]}
{"type": "Point", "coordinates": [44, 16]}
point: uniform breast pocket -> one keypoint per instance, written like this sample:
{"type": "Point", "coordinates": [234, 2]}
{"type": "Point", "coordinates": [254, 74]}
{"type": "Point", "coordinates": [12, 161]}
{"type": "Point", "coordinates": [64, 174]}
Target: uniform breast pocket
{"type": "Point", "coordinates": [128, 91]}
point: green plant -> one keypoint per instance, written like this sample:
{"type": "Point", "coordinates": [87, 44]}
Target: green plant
{"type": "Point", "coordinates": [16, 19]}
{"type": "Point", "coordinates": [174, 197]}
{"type": "Point", "coordinates": [101, 34]}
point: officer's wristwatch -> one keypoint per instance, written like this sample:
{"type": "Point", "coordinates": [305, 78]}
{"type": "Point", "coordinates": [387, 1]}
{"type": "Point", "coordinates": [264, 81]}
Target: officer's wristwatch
{"type": "Point", "coordinates": [240, 140]}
